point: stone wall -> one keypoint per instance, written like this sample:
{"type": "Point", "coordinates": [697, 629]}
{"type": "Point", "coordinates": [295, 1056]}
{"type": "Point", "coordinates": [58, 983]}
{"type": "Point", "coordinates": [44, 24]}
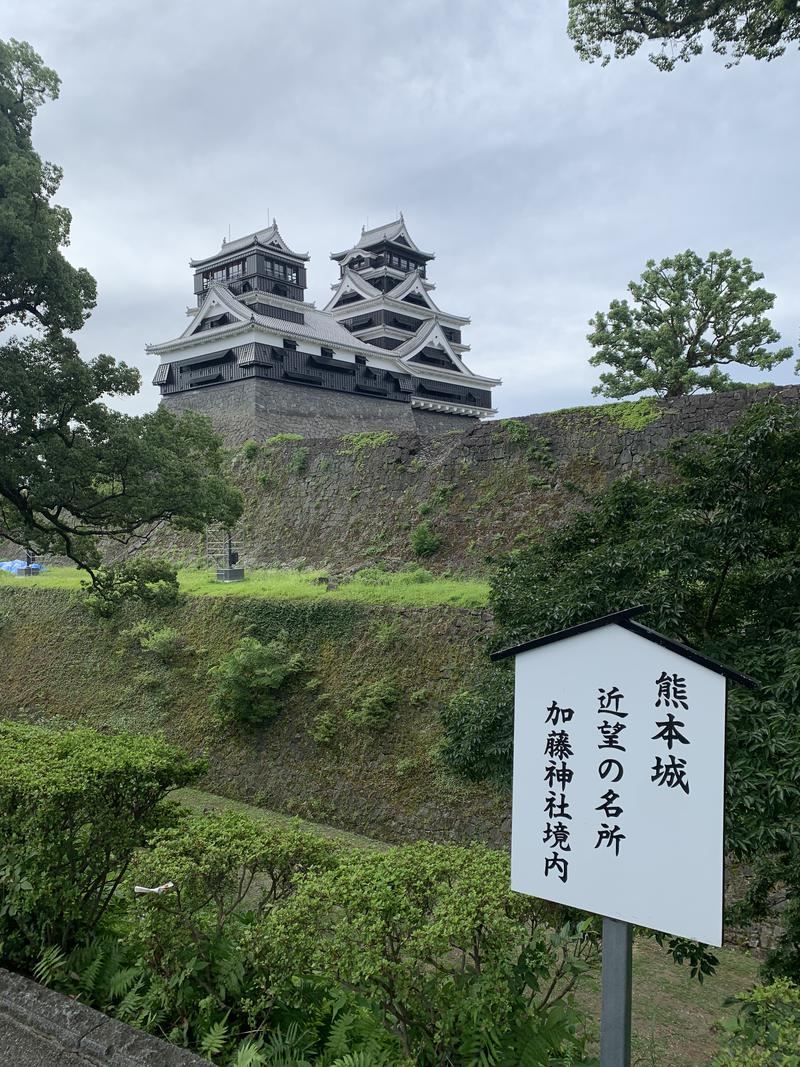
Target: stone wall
{"type": "Point", "coordinates": [257, 408]}
{"type": "Point", "coordinates": [346, 502]}
{"type": "Point", "coordinates": [41, 1028]}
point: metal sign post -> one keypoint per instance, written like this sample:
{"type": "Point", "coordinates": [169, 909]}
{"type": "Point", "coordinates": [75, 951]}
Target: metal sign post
{"type": "Point", "coordinates": [615, 1012]}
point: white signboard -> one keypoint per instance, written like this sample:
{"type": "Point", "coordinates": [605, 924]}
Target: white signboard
{"type": "Point", "coordinates": [619, 773]}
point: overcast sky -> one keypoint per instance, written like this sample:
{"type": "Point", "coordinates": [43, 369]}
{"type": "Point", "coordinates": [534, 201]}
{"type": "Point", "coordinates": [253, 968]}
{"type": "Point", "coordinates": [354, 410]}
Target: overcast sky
{"type": "Point", "coordinates": [542, 183]}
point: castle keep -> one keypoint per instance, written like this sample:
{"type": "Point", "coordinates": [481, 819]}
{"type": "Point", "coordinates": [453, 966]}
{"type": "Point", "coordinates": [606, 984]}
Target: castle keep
{"type": "Point", "coordinates": [260, 360]}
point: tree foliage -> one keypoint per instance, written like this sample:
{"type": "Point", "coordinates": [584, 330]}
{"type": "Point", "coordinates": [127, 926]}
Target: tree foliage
{"type": "Point", "coordinates": [37, 283]}
{"type": "Point", "coordinates": [688, 318]}
{"type": "Point", "coordinates": [151, 581]}
{"type": "Point", "coordinates": [74, 472]}
{"type": "Point", "coordinates": [761, 29]}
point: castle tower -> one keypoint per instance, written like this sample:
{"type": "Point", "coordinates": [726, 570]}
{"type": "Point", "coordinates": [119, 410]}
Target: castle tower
{"type": "Point", "coordinates": [258, 266]}
{"type": "Point", "coordinates": [259, 359]}
{"type": "Point", "coordinates": [383, 297]}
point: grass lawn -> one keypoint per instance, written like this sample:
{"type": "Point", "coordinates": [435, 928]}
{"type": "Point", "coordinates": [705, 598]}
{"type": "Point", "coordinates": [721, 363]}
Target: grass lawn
{"type": "Point", "coordinates": [673, 1014]}
{"type": "Point", "coordinates": [413, 588]}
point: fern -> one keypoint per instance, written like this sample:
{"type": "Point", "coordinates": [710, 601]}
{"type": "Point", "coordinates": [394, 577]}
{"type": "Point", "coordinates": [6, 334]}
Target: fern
{"type": "Point", "coordinates": [50, 966]}
{"type": "Point", "coordinates": [249, 1054]}
{"type": "Point", "coordinates": [364, 1059]}
{"type": "Point", "coordinates": [341, 1032]}
{"type": "Point", "coordinates": [88, 980]}
{"type": "Point", "coordinates": [213, 1041]}
{"type": "Point", "coordinates": [120, 982]}
{"type": "Point", "coordinates": [288, 1048]}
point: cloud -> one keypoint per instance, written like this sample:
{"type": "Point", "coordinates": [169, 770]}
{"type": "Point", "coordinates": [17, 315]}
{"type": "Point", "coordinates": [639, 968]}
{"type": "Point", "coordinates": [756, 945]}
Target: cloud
{"type": "Point", "coordinates": [543, 184]}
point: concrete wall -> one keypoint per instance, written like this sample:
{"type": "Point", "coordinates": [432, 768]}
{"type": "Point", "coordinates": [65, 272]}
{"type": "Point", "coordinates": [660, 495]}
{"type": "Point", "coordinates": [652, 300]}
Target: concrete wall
{"type": "Point", "coordinates": [257, 408]}
{"type": "Point", "coordinates": [41, 1028]}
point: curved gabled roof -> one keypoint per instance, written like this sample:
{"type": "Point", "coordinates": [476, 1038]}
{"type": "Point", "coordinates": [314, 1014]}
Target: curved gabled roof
{"type": "Point", "coordinates": [267, 238]}
{"type": "Point", "coordinates": [431, 335]}
{"type": "Point", "coordinates": [389, 232]}
{"type": "Point", "coordinates": [414, 283]}
{"type": "Point", "coordinates": [351, 282]}
{"type": "Point", "coordinates": [318, 326]}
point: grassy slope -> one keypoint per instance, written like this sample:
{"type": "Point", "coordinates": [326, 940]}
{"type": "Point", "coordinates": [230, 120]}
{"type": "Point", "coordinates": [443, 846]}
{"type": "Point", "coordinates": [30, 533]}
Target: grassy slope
{"type": "Point", "coordinates": [60, 663]}
{"type": "Point", "coordinates": [402, 589]}
{"type": "Point", "coordinates": [673, 1015]}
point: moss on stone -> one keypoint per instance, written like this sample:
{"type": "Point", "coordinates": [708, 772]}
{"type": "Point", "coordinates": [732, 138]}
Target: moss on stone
{"type": "Point", "coordinates": [626, 414]}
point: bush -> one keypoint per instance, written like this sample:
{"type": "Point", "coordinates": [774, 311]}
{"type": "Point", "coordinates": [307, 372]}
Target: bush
{"type": "Point", "coordinates": [152, 581]}
{"type": "Point", "coordinates": [163, 642]}
{"type": "Point", "coordinates": [424, 542]}
{"type": "Point", "coordinates": [250, 450]}
{"type": "Point", "coordinates": [74, 807]}
{"type": "Point", "coordinates": [298, 462]}
{"type": "Point", "coordinates": [464, 970]}
{"type": "Point", "coordinates": [248, 681]}
{"type": "Point", "coordinates": [355, 444]}
{"type": "Point", "coordinates": [217, 860]}
{"type": "Point", "coordinates": [181, 970]}
{"type": "Point", "coordinates": [766, 1031]}
{"type": "Point", "coordinates": [373, 704]}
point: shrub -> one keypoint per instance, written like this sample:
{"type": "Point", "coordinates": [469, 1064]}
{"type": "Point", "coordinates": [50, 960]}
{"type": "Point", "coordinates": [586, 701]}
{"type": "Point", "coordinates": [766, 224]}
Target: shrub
{"type": "Point", "coordinates": [74, 806]}
{"type": "Point", "coordinates": [517, 431]}
{"type": "Point", "coordinates": [163, 642]}
{"type": "Point", "coordinates": [298, 462]}
{"type": "Point", "coordinates": [219, 862]}
{"type": "Point", "coordinates": [373, 704]}
{"type": "Point", "coordinates": [464, 970]}
{"type": "Point", "coordinates": [478, 726]}
{"type": "Point", "coordinates": [250, 450]}
{"type": "Point", "coordinates": [323, 727]}
{"type": "Point", "coordinates": [152, 581]}
{"type": "Point", "coordinates": [424, 541]}
{"type": "Point", "coordinates": [247, 682]}
{"type": "Point", "coordinates": [180, 970]}
{"type": "Point", "coordinates": [766, 1031]}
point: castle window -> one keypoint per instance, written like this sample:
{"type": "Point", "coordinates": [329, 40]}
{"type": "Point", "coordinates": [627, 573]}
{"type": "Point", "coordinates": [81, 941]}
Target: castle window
{"type": "Point", "coordinates": [327, 352]}
{"type": "Point", "coordinates": [291, 345]}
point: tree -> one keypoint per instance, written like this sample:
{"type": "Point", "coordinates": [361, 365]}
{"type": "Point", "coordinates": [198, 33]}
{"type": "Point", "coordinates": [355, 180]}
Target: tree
{"type": "Point", "coordinates": [74, 472]}
{"type": "Point", "coordinates": [689, 316]}
{"type": "Point", "coordinates": [761, 29]}
{"type": "Point", "coordinates": [714, 551]}
{"type": "Point", "coordinates": [37, 284]}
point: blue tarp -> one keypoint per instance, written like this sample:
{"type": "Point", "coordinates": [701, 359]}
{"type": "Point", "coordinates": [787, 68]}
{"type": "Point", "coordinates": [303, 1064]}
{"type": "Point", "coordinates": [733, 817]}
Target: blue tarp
{"type": "Point", "coordinates": [14, 566]}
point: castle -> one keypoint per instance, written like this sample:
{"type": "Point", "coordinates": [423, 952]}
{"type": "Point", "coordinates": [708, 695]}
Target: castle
{"type": "Point", "coordinates": [260, 360]}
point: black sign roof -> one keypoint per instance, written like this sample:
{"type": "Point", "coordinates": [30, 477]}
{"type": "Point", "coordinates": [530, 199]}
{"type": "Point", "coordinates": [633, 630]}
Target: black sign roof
{"type": "Point", "coordinates": [626, 621]}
